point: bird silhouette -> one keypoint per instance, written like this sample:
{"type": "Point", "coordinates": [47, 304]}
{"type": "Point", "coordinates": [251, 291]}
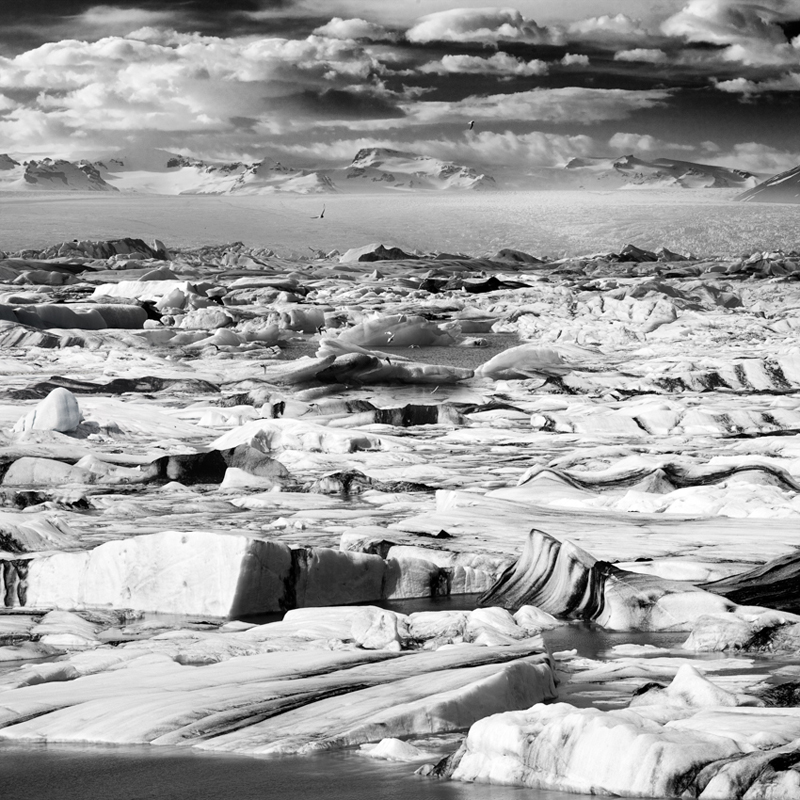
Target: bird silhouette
{"type": "Point", "coordinates": [321, 215]}
{"type": "Point", "coordinates": [471, 124]}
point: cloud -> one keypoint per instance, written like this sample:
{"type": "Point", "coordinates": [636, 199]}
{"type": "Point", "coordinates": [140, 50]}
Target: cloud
{"type": "Point", "coordinates": [339, 28]}
{"type": "Point", "coordinates": [500, 64]}
{"type": "Point", "coordinates": [724, 22]}
{"type": "Point", "coordinates": [480, 25]}
{"type": "Point", "coordinates": [522, 150]}
{"type": "Point", "coordinates": [789, 82]}
{"type": "Point", "coordinates": [644, 143]}
{"type": "Point", "coordinates": [762, 54]}
{"type": "Point", "coordinates": [506, 149]}
{"type": "Point", "coordinates": [651, 56]}
{"type": "Point", "coordinates": [115, 20]}
{"type": "Point", "coordinates": [168, 81]}
{"type": "Point", "coordinates": [748, 33]}
{"type": "Point", "coordinates": [607, 27]}
{"type": "Point", "coordinates": [164, 64]}
{"type": "Point", "coordinates": [393, 12]}
{"type": "Point", "coordinates": [575, 60]}
{"type": "Point", "coordinates": [757, 157]}
{"type": "Point", "coordinates": [571, 104]}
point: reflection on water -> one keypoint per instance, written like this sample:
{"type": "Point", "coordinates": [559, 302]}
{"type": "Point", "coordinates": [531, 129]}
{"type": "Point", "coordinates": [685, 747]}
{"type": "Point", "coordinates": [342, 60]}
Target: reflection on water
{"type": "Point", "coordinates": [70, 772]}
{"type": "Point", "coordinates": [592, 641]}
{"type": "Point", "coordinates": [141, 773]}
{"type": "Point", "coordinates": [453, 356]}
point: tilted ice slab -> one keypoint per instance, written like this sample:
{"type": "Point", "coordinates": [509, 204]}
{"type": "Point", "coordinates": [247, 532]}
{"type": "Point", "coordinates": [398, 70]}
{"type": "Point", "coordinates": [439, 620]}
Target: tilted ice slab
{"type": "Point", "coordinates": [281, 688]}
{"type": "Point", "coordinates": [32, 532]}
{"type": "Point", "coordinates": [566, 581]}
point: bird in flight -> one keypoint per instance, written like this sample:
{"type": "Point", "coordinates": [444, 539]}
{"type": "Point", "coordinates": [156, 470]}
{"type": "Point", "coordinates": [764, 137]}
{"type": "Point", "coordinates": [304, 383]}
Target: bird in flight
{"type": "Point", "coordinates": [471, 124]}
{"type": "Point", "coordinates": [321, 215]}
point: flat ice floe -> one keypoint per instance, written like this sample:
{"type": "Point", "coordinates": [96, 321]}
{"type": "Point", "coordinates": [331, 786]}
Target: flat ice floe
{"type": "Point", "coordinates": [190, 438]}
{"type": "Point", "coordinates": [689, 738]}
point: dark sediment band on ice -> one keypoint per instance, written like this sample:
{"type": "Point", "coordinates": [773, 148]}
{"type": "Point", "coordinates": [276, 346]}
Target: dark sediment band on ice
{"type": "Point", "coordinates": [669, 473]}
{"type": "Point", "coordinates": [555, 576]}
{"type": "Point", "coordinates": [566, 581]}
{"type": "Point", "coordinates": [278, 436]}
{"type": "Point", "coordinates": [776, 584]}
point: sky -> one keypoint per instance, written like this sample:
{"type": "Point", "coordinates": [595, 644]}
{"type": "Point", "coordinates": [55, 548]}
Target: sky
{"type": "Point", "coordinates": [310, 82]}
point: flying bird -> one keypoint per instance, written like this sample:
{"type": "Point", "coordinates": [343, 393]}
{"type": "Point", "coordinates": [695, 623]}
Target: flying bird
{"type": "Point", "coordinates": [471, 124]}
{"type": "Point", "coordinates": [321, 215]}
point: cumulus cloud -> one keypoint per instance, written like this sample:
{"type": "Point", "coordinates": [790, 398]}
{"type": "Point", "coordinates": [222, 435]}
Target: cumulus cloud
{"type": "Point", "coordinates": [789, 82]}
{"type": "Point", "coordinates": [113, 19]}
{"type": "Point", "coordinates": [652, 56]}
{"type": "Point", "coordinates": [187, 82]}
{"type": "Point", "coordinates": [748, 33]}
{"type": "Point", "coordinates": [572, 104]}
{"type": "Point", "coordinates": [762, 54]}
{"type": "Point", "coordinates": [575, 60]}
{"type": "Point", "coordinates": [506, 149]}
{"type": "Point", "coordinates": [524, 150]}
{"type": "Point", "coordinates": [394, 12]}
{"type": "Point", "coordinates": [757, 157]}
{"type": "Point", "coordinates": [725, 22]}
{"type": "Point", "coordinates": [643, 143]}
{"type": "Point", "coordinates": [619, 26]}
{"type": "Point", "coordinates": [481, 25]}
{"type": "Point", "coordinates": [132, 64]}
{"type": "Point", "coordinates": [339, 28]}
{"type": "Point", "coordinates": [500, 64]}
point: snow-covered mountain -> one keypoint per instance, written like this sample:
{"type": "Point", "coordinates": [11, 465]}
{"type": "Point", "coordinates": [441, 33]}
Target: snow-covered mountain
{"type": "Point", "coordinates": [395, 169]}
{"type": "Point", "coordinates": [782, 188]}
{"type": "Point", "coordinates": [631, 172]}
{"type": "Point", "coordinates": [373, 169]}
{"type": "Point", "coordinates": [51, 174]}
{"type": "Point", "coordinates": [161, 172]}
{"type": "Point", "coordinates": [153, 171]}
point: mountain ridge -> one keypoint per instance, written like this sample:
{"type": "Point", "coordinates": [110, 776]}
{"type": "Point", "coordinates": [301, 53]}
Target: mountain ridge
{"type": "Point", "coordinates": [156, 171]}
{"type": "Point", "coordinates": [781, 188]}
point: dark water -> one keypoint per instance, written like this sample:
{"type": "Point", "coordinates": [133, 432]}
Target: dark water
{"type": "Point", "coordinates": [86, 772]}
{"type": "Point", "coordinates": [454, 356]}
{"type": "Point", "coordinates": [71, 772]}
{"type": "Point", "coordinates": [145, 773]}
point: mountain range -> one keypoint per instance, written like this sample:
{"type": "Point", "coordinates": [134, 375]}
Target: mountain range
{"type": "Point", "coordinates": [153, 171]}
{"type": "Point", "coordinates": [630, 172]}
{"type": "Point", "coordinates": [52, 174]}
